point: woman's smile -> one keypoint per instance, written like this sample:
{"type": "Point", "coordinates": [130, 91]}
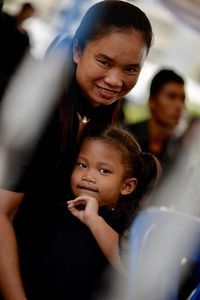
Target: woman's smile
{"type": "Point", "coordinates": [107, 93]}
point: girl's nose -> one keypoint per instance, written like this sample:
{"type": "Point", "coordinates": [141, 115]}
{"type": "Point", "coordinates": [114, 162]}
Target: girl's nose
{"type": "Point", "coordinates": [89, 177]}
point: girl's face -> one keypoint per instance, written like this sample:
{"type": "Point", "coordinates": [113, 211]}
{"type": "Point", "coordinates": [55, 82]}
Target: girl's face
{"type": "Point", "coordinates": [108, 67]}
{"type": "Point", "coordinates": [100, 173]}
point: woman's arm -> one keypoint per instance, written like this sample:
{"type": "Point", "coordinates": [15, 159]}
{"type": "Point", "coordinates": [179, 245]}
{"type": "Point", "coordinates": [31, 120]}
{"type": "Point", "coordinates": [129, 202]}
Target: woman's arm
{"type": "Point", "coordinates": [106, 237]}
{"type": "Point", "coordinates": [10, 284]}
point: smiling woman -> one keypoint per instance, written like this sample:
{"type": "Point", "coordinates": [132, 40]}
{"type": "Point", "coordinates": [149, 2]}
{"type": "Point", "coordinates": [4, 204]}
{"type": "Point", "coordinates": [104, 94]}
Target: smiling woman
{"type": "Point", "coordinates": [105, 75]}
{"type": "Point", "coordinates": [104, 61]}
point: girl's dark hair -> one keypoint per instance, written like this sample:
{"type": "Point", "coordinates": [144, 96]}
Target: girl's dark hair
{"type": "Point", "coordinates": [143, 166]}
{"type": "Point", "coordinates": [102, 18]}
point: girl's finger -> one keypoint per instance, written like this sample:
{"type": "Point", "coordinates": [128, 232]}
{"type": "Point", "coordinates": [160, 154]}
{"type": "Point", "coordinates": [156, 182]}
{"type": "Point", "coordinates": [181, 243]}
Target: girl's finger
{"type": "Point", "coordinates": [75, 202]}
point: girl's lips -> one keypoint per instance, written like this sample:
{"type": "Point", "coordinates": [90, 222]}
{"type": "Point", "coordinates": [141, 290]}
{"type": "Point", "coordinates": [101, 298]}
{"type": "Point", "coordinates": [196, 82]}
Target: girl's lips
{"type": "Point", "coordinates": [88, 188]}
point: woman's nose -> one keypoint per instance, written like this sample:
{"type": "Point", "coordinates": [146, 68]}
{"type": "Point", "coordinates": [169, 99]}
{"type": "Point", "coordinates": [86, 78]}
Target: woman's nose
{"type": "Point", "coordinates": [114, 78]}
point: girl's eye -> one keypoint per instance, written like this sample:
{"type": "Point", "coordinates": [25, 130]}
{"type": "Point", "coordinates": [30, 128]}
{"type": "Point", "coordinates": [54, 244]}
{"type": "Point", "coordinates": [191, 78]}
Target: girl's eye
{"type": "Point", "coordinates": [81, 165]}
{"type": "Point", "coordinates": [104, 171]}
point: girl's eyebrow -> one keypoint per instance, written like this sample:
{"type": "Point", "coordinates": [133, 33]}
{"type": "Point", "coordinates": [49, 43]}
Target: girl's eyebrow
{"type": "Point", "coordinates": [81, 157]}
{"type": "Point", "coordinates": [100, 163]}
{"type": "Point", "coordinates": [106, 164]}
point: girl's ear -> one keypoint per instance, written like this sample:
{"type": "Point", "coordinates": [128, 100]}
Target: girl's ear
{"type": "Point", "coordinates": [128, 186]}
{"type": "Point", "coordinates": [76, 52]}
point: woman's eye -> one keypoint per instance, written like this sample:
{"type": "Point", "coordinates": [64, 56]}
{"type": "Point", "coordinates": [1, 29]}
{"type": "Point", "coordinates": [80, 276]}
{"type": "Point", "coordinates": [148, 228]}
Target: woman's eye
{"type": "Point", "coordinates": [104, 63]}
{"type": "Point", "coordinates": [133, 69]}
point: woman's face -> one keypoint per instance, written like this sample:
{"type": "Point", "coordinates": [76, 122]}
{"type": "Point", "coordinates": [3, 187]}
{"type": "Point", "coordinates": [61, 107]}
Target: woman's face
{"type": "Point", "coordinates": [108, 67]}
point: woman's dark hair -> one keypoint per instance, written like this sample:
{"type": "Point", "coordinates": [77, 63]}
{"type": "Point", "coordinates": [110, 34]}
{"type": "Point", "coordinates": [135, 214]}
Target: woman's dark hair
{"type": "Point", "coordinates": [102, 18]}
{"type": "Point", "coordinates": [108, 16]}
{"type": "Point", "coordinates": [145, 167]}
{"type": "Point", "coordinates": [163, 77]}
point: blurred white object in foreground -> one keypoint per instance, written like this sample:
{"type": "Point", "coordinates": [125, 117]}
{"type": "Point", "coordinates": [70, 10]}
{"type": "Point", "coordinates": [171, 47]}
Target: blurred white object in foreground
{"type": "Point", "coordinates": [25, 109]}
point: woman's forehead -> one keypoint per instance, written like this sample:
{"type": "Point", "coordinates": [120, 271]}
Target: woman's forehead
{"type": "Point", "coordinates": [129, 45]}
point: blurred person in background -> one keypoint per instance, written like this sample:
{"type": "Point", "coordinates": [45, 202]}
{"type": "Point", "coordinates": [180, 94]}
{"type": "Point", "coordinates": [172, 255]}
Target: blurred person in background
{"type": "Point", "coordinates": [167, 105]}
{"type": "Point", "coordinates": [26, 11]}
{"type": "Point", "coordinates": [14, 46]}
{"type": "Point", "coordinates": [104, 61]}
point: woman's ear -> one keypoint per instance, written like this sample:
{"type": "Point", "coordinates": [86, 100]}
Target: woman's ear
{"type": "Point", "coordinates": [76, 52]}
{"type": "Point", "coordinates": [128, 186]}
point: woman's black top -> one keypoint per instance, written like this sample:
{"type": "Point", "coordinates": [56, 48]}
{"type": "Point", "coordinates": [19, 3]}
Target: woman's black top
{"type": "Point", "coordinates": [58, 255]}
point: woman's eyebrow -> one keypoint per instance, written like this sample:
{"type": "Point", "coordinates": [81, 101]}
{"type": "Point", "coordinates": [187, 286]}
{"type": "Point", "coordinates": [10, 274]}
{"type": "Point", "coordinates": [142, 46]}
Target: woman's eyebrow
{"type": "Point", "coordinates": [104, 56]}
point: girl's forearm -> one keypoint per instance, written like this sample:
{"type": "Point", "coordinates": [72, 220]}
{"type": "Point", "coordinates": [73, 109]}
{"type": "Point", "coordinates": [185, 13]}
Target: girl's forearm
{"type": "Point", "coordinates": [108, 240]}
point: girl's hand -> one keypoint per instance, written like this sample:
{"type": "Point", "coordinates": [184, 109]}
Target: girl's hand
{"type": "Point", "coordinates": [85, 208]}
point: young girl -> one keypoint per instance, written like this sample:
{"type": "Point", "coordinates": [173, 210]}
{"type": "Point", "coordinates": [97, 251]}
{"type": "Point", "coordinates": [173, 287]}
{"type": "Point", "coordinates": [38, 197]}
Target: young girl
{"type": "Point", "coordinates": [111, 170]}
